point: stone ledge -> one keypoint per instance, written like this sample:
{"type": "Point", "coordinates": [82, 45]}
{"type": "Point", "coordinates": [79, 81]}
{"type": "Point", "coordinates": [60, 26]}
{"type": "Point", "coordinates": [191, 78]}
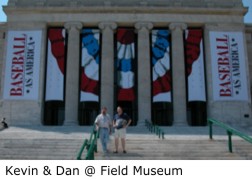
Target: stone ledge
{"type": "Point", "coordinates": [122, 3]}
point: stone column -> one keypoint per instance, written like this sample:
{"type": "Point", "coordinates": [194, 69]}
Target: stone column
{"type": "Point", "coordinates": [107, 66]}
{"type": "Point", "coordinates": [144, 71]}
{"type": "Point", "coordinates": [178, 74]}
{"type": "Point", "coordinates": [72, 73]}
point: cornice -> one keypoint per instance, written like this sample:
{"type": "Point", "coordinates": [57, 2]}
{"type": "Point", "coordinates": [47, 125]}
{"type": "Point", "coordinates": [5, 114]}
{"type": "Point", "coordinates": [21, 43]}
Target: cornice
{"type": "Point", "coordinates": [123, 3]}
{"type": "Point", "coordinates": [103, 9]}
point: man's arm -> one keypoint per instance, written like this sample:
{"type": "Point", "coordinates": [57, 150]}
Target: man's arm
{"type": "Point", "coordinates": [97, 123]}
{"type": "Point", "coordinates": [129, 121]}
{"type": "Point", "coordinates": [114, 121]}
{"type": "Point", "coordinates": [110, 125]}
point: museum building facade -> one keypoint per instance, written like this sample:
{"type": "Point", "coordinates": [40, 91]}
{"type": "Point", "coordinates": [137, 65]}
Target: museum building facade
{"type": "Point", "coordinates": [170, 62]}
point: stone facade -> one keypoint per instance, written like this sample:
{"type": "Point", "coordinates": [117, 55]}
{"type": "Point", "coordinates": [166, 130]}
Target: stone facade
{"type": "Point", "coordinates": [177, 15]}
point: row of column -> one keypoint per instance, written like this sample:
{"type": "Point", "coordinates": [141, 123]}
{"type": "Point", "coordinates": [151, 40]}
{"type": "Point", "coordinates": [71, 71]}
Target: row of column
{"type": "Point", "coordinates": [107, 71]}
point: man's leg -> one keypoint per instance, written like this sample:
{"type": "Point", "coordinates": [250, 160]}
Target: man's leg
{"type": "Point", "coordinates": [116, 136]}
{"type": "Point", "coordinates": [103, 140]}
{"type": "Point", "coordinates": [123, 141]}
{"type": "Point", "coordinates": [123, 144]}
{"type": "Point", "coordinates": [116, 144]}
{"type": "Point", "coordinates": [106, 139]}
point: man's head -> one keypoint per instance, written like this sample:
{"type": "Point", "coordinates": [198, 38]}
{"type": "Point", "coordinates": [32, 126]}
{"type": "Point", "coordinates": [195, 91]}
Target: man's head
{"type": "Point", "coordinates": [119, 110]}
{"type": "Point", "coordinates": [104, 110]}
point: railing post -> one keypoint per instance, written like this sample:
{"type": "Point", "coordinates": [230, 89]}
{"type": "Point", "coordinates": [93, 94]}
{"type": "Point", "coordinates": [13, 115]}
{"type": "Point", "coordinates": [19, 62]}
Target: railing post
{"type": "Point", "coordinates": [162, 135]}
{"type": "Point", "coordinates": [92, 155]}
{"type": "Point", "coordinates": [82, 149]}
{"type": "Point", "coordinates": [96, 136]}
{"type": "Point", "coordinates": [230, 141]}
{"type": "Point", "coordinates": [95, 147]}
{"type": "Point", "coordinates": [210, 129]}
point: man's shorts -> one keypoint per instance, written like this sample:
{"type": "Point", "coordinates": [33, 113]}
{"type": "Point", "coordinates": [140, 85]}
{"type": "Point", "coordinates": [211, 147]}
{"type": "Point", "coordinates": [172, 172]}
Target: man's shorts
{"type": "Point", "coordinates": [120, 133]}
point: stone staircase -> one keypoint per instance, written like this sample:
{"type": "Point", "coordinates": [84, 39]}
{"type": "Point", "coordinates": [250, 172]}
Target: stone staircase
{"type": "Point", "coordinates": [63, 143]}
{"type": "Point", "coordinates": [180, 143]}
{"type": "Point", "coordinates": [47, 143]}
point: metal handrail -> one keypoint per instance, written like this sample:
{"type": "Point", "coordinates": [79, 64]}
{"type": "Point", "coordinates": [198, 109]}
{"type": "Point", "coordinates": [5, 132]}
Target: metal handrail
{"type": "Point", "coordinates": [93, 146]}
{"type": "Point", "coordinates": [230, 132]}
{"type": "Point", "coordinates": [84, 145]}
{"type": "Point", "coordinates": [154, 129]}
{"type": "Point", "coordinates": [90, 145]}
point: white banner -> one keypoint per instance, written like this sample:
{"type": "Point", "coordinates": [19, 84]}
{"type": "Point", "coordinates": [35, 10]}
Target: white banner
{"type": "Point", "coordinates": [22, 65]}
{"type": "Point", "coordinates": [195, 65]}
{"type": "Point", "coordinates": [228, 66]}
{"type": "Point", "coordinates": [55, 65]}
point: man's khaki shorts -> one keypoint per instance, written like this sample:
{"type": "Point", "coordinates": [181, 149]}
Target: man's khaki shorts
{"type": "Point", "coordinates": [120, 133]}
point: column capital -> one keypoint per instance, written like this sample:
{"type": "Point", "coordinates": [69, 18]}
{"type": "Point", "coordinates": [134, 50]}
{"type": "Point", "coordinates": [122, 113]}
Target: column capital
{"type": "Point", "coordinates": [110, 25]}
{"type": "Point", "coordinates": [174, 26]}
{"type": "Point", "coordinates": [146, 25]}
{"type": "Point", "coordinates": [70, 25]}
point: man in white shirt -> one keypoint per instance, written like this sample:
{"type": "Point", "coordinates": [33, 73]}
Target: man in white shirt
{"type": "Point", "coordinates": [104, 125]}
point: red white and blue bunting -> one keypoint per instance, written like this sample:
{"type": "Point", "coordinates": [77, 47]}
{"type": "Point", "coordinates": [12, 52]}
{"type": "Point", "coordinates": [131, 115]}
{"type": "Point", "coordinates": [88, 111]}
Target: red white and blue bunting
{"type": "Point", "coordinates": [90, 60]}
{"type": "Point", "coordinates": [194, 54]}
{"type": "Point", "coordinates": [124, 64]}
{"type": "Point", "coordinates": [161, 70]}
{"type": "Point", "coordinates": [55, 73]}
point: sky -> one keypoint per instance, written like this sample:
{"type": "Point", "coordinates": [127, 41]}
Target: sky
{"type": "Point", "coordinates": [247, 19]}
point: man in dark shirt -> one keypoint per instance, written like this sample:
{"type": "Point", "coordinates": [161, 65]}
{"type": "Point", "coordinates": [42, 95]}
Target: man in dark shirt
{"type": "Point", "coordinates": [121, 122]}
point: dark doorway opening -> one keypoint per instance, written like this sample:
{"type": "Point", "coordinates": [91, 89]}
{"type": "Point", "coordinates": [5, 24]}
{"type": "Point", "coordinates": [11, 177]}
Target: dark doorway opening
{"type": "Point", "coordinates": [88, 112]}
{"type": "Point", "coordinates": [54, 113]}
